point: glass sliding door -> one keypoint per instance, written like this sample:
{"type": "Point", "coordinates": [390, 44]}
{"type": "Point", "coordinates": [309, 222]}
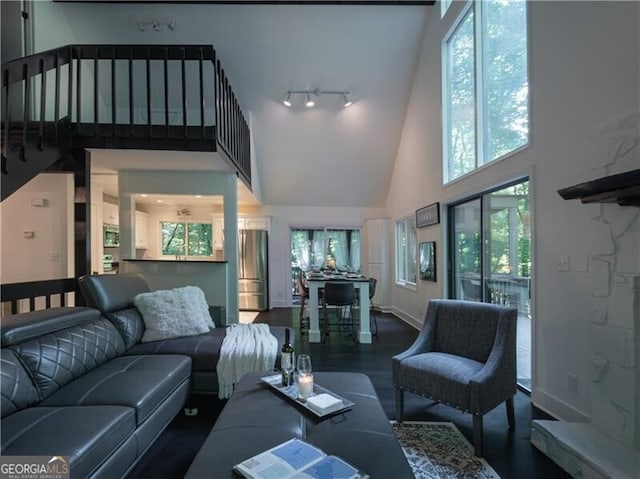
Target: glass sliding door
{"type": "Point", "coordinates": [467, 251]}
{"type": "Point", "coordinates": [508, 236]}
{"type": "Point", "coordinates": [490, 257]}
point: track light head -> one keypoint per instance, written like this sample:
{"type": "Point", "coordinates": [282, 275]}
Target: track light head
{"type": "Point", "coordinates": [287, 99]}
{"type": "Point", "coordinates": [346, 101]}
{"type": "Point", "coordinates": [309, 102]}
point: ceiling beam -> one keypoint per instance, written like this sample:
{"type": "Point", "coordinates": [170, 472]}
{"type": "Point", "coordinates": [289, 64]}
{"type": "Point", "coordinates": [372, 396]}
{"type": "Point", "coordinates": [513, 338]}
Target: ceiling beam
{"type": "Point", "coordinates": [266, 2]}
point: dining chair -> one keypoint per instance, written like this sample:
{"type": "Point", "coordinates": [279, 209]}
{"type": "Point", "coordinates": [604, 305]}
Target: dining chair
{"type": "Point", "coordinates": [464, 357]}
{"type": "Point", "coordinates": [341, 296]}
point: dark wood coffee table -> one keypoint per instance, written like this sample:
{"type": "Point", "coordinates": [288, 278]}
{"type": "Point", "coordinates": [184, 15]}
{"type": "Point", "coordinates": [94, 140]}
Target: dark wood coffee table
{"type": "Point", "coordinates": [257, 418]}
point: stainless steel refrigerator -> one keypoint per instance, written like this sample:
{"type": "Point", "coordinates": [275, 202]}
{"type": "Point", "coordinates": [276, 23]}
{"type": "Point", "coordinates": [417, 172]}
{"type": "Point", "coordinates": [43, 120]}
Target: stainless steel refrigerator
{"type": "Point", "coordinates": [253, 270]}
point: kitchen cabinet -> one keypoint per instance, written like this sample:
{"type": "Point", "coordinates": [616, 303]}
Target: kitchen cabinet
{"type": "Point", "coordinates": [142, 230]}
{"type": "Point", "coordinates": [110, 213]}
{"type": "Point", "coordinates": [218, 233]}
{"type": "Point", "coordinates": [244, 223]}
{"type": "Point", "coordinates": [377, 262]}
{"type": "Point", "coordinates": [253, 223]}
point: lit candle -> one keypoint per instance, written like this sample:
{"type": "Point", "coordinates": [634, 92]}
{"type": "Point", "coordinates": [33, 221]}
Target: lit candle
{"type": "Point", "coordinates": [305, 385]}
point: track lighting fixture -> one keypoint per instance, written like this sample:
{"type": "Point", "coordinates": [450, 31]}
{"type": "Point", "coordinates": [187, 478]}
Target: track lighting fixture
{"type": "Point", "coordinates": [310, 94]}
{"type": "Point", "coordinates": [309, 103]}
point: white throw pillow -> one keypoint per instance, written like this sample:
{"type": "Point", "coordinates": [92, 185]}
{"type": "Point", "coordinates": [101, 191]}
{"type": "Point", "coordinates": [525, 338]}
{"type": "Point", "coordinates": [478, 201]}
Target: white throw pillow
{"type": "Point", "coordinates": [170, 314]}
{"type": "Point", "coordinates": [195, 297]}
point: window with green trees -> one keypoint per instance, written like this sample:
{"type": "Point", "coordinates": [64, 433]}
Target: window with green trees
{"type": "Point", "coordinates": [406, 252]}
{"type": "Point", "coordinates": [186, 239]}
{"type": "Point", "coordinates": [491, 247]}
{"type": "Point", "coordinates": [318, 248]}
{"type": "Point", "coordinates": [485, 86]}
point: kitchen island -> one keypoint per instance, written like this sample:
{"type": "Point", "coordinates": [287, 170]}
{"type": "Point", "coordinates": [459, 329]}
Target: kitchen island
{"type": "Point", "coordinates": [210, 276]}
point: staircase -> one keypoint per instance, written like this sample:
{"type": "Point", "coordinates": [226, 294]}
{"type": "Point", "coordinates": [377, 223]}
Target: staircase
{"type": "Point", "coordinates": [57, 103]}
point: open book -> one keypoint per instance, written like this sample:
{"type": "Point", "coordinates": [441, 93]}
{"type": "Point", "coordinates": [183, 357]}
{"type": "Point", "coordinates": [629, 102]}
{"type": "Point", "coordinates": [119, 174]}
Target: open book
{"type": "Point", "coordinates": [297, 459]}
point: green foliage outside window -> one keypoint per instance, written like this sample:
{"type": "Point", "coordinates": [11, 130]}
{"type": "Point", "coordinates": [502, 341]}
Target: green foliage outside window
{"type": "Point", "coordinates": [486, 86]}
{"type": "Point", "coordinates": [186, 239]}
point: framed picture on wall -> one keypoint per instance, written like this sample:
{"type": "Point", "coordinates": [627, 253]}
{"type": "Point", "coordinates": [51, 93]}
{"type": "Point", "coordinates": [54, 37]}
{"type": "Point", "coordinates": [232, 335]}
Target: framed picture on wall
{"type": "Point", "coordinates": [429, 215]}
{"type": "Point", "coordinates": [428, 261]}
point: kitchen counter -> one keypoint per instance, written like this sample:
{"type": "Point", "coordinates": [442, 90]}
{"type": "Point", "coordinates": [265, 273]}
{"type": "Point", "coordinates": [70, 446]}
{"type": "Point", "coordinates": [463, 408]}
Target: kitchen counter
{"type": "Point", "coordinates": [149, 260]}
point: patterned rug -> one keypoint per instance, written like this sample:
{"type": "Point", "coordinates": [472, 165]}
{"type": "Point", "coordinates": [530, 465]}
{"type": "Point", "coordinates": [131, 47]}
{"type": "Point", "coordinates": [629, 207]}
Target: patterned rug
{"type": "Point", "coordinates": [437, 450]}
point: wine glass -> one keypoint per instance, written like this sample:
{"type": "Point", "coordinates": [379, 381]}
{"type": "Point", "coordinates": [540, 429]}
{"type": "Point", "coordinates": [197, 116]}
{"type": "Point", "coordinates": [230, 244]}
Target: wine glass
{"type": "Point", "coordinates": [304, 364]}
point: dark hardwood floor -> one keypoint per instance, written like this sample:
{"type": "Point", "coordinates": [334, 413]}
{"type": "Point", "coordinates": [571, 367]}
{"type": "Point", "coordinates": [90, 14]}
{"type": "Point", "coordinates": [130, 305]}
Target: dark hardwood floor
{"type": "Point", "coordinates": [510, 453]}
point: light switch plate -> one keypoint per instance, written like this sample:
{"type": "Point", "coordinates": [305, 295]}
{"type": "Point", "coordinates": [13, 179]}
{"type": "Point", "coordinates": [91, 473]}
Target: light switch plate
{"type": "Point", "coordinates": [563, 263]}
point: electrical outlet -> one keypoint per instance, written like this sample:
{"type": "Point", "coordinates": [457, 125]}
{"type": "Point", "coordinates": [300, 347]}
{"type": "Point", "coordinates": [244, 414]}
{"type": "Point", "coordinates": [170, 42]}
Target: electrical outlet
{"type": "Point", "coordinates": [54, 256]}
{"type": "Point", "coordinates": [572, 383]}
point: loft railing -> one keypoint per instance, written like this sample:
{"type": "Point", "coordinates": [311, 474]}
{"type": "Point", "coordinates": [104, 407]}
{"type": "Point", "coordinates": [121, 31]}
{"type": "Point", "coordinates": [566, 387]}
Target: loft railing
{"type": "Point", "coordinates": [123, 96]}
{"type": "Point", "coordinates": [36, 295]}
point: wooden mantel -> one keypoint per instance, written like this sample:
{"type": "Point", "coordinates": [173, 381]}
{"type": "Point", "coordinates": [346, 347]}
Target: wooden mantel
{"type": "Point", "coordinates": [622, 188]}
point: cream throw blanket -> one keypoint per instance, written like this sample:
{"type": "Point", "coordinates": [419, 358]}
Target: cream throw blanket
{"type": "Point", "coordinates": [245, 348]}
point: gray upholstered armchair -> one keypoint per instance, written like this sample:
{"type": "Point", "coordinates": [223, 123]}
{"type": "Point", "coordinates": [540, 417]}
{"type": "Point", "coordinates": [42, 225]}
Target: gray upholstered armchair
{"type": "Point", "coordinates": [465, 357]}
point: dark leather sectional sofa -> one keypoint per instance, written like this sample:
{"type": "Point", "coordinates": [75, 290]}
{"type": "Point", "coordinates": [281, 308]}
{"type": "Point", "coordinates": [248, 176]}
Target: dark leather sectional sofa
{"type": "Point", "coordinates": [77, 382]}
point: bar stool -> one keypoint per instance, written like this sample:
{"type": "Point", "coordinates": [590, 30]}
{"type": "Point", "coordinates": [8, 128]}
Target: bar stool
{"type": "Point", "coordinates": [341, 295]}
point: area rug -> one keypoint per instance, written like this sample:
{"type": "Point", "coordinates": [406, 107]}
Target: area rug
{"type": "Point", "coordinates": [437, 450]}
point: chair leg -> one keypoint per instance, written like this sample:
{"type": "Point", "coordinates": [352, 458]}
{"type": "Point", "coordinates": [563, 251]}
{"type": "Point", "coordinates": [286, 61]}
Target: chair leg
{"type": "Point", "coordinates": [304, 326]}
{"type": "Point", "coordinates": [511, 416]}
{"type": "Point", "coordinates": [399, 404]}
{"type": "Point", "coordinates": [355, 325]}
{"type": "Point", "coordinates": [373, 321]}
{"type": "Point", "coordinates": [477, 435]}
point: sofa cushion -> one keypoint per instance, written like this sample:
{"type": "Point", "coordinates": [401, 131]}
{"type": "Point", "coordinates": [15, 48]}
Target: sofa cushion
{"type": "Point", "coordinates": [204, 349]}
{"type": "Point", "coordinates": [130, 324]}
{"type": "Point", "coordinates": [452, 388]}
{"type": "Point", "coordinates": [170, 314]}
{"type": "Point", "coordinates": [55, 359]}
{"type": "Point", "coordinates": [87, 434]}
{"type": "Point", "coordinates": [139, 382]}
{"type": "Point", "coordinates": [18, 391]}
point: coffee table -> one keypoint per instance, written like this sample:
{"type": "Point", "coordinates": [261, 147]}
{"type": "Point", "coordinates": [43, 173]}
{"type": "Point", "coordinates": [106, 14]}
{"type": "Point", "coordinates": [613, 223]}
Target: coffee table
{"type": "Point", "coordinates": [257, 418]}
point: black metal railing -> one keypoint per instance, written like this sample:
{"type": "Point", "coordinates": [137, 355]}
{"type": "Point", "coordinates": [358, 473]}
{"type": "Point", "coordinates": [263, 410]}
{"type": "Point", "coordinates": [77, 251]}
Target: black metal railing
{"type": "Point", "coordinates": [119, 96]}
{"type": "Point", "coordinates": [35, 295]}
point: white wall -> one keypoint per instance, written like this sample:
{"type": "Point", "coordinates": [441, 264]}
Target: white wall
{"type": "Point", "coordinates": [584, 74]}
{"type": "Point", "coordinates": [49, 254]}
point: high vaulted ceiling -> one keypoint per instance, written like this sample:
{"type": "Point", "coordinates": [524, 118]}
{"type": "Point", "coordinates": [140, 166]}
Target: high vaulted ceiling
{"type": "Point", "coordinates": [325, 156]}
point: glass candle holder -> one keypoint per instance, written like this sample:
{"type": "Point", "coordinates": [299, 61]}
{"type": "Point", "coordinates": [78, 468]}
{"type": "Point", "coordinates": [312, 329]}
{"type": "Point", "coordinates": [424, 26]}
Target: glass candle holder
{"type": "Point", "coordinates": [305, 385]}
{"type": "Point", "coordinates": [304, 364]}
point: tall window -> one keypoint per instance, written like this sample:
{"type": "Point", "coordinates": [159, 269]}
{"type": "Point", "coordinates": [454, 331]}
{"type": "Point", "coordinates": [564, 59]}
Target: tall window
{"type": "Point", "coordinates": [486, 87]}
{"type": "Point", "coordinates": [406, 252]}
{"type": "Point", "coordinates": [186, 239]}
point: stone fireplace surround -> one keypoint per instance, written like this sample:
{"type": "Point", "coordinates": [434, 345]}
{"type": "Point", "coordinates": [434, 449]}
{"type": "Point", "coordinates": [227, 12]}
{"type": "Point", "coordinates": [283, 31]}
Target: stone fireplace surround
{"type": "Point", "coordinates": [609, 445]}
